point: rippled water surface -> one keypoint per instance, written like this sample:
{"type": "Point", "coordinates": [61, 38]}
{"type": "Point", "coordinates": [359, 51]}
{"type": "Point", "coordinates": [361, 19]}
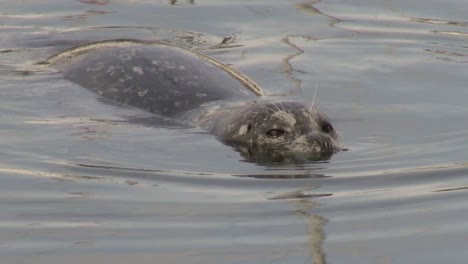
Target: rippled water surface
{"type": "Point", "coordinates": [84, 180]}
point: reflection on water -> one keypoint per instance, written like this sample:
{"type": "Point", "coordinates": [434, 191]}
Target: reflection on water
{"type": "Point", "coordinates": [82, 18]}
{"type": "Point", "coordinates": [95, 2]}
{"type": "Point", "coordinates": [316, 225]}
{"type": "Point", "coordinates": [440, 21]}
{"type": "Point", "coordinates": [178, 2]}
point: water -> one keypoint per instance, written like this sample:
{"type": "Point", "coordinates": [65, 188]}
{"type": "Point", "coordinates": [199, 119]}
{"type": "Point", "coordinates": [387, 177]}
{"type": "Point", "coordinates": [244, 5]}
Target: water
{"type": "Point", "coordinates": [88, 181]}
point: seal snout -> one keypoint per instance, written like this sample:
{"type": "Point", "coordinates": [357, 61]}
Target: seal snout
{"type": "Point", "coordinates": [314, 142]}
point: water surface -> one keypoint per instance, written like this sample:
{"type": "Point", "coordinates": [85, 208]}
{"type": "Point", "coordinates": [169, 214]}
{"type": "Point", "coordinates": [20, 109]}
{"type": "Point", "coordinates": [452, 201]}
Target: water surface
{"type": "Point", "coordinates": [85, 180]}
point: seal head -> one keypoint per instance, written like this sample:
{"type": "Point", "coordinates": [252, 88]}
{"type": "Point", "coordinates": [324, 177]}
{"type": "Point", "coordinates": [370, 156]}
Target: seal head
{"type": "Point", "coordinates": [276, 129]}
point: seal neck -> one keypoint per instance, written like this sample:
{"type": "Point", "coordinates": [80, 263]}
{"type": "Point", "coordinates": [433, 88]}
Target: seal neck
{"type": "Point", "coordinates": [213, 115]}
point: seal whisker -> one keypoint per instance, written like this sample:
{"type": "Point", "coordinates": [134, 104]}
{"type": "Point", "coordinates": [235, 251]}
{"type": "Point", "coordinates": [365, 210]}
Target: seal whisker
{"type": "Point", "coordinates": [282, 106]}
{"type": "Point", "coordinates": [279, 110]}
{"type": "Point", "coordinates": [311, 107]}
{"type": "Point", "coordinates": [271, 109]}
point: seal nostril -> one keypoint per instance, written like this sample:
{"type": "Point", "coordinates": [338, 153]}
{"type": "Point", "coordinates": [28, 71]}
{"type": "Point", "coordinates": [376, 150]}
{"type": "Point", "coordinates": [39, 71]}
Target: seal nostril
{"type": "Point", "coordinates": [327, 128]}
{"type": "Point", "coordinates": [249, 127]}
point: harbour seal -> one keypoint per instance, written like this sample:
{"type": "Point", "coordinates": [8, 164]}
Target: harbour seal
{"type": "Point", "coordinates": [191, 87]}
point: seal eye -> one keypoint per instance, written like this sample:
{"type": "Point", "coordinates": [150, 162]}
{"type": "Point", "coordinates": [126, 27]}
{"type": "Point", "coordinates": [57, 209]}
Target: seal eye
{"type": "Point", "coordinates": [327, 128]}
{"type": "Point", "coordinates": [275, 133]}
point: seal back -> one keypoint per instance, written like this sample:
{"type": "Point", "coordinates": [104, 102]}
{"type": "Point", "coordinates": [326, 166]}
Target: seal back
{"type": "Point", "coordinates": [156, 77]}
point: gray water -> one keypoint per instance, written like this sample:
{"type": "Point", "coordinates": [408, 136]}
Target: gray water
{"type": "Point", "coordinates": [88, 181]}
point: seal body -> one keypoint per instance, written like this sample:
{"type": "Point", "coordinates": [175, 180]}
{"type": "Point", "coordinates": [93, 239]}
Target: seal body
{"type": "Point", "coordinates": [159, 78]}
{"type": "Point", "coordinates": [178, 83]}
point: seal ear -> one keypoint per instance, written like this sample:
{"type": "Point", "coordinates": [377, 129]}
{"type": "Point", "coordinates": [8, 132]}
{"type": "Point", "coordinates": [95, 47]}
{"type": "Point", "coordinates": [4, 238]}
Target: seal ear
{"type": "Point", "coordinates": [245, 129]}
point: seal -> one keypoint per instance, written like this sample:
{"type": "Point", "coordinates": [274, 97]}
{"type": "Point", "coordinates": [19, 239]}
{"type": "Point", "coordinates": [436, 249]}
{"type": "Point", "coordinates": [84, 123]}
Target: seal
{"type": "Point", "coordinates": [186, 85]}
